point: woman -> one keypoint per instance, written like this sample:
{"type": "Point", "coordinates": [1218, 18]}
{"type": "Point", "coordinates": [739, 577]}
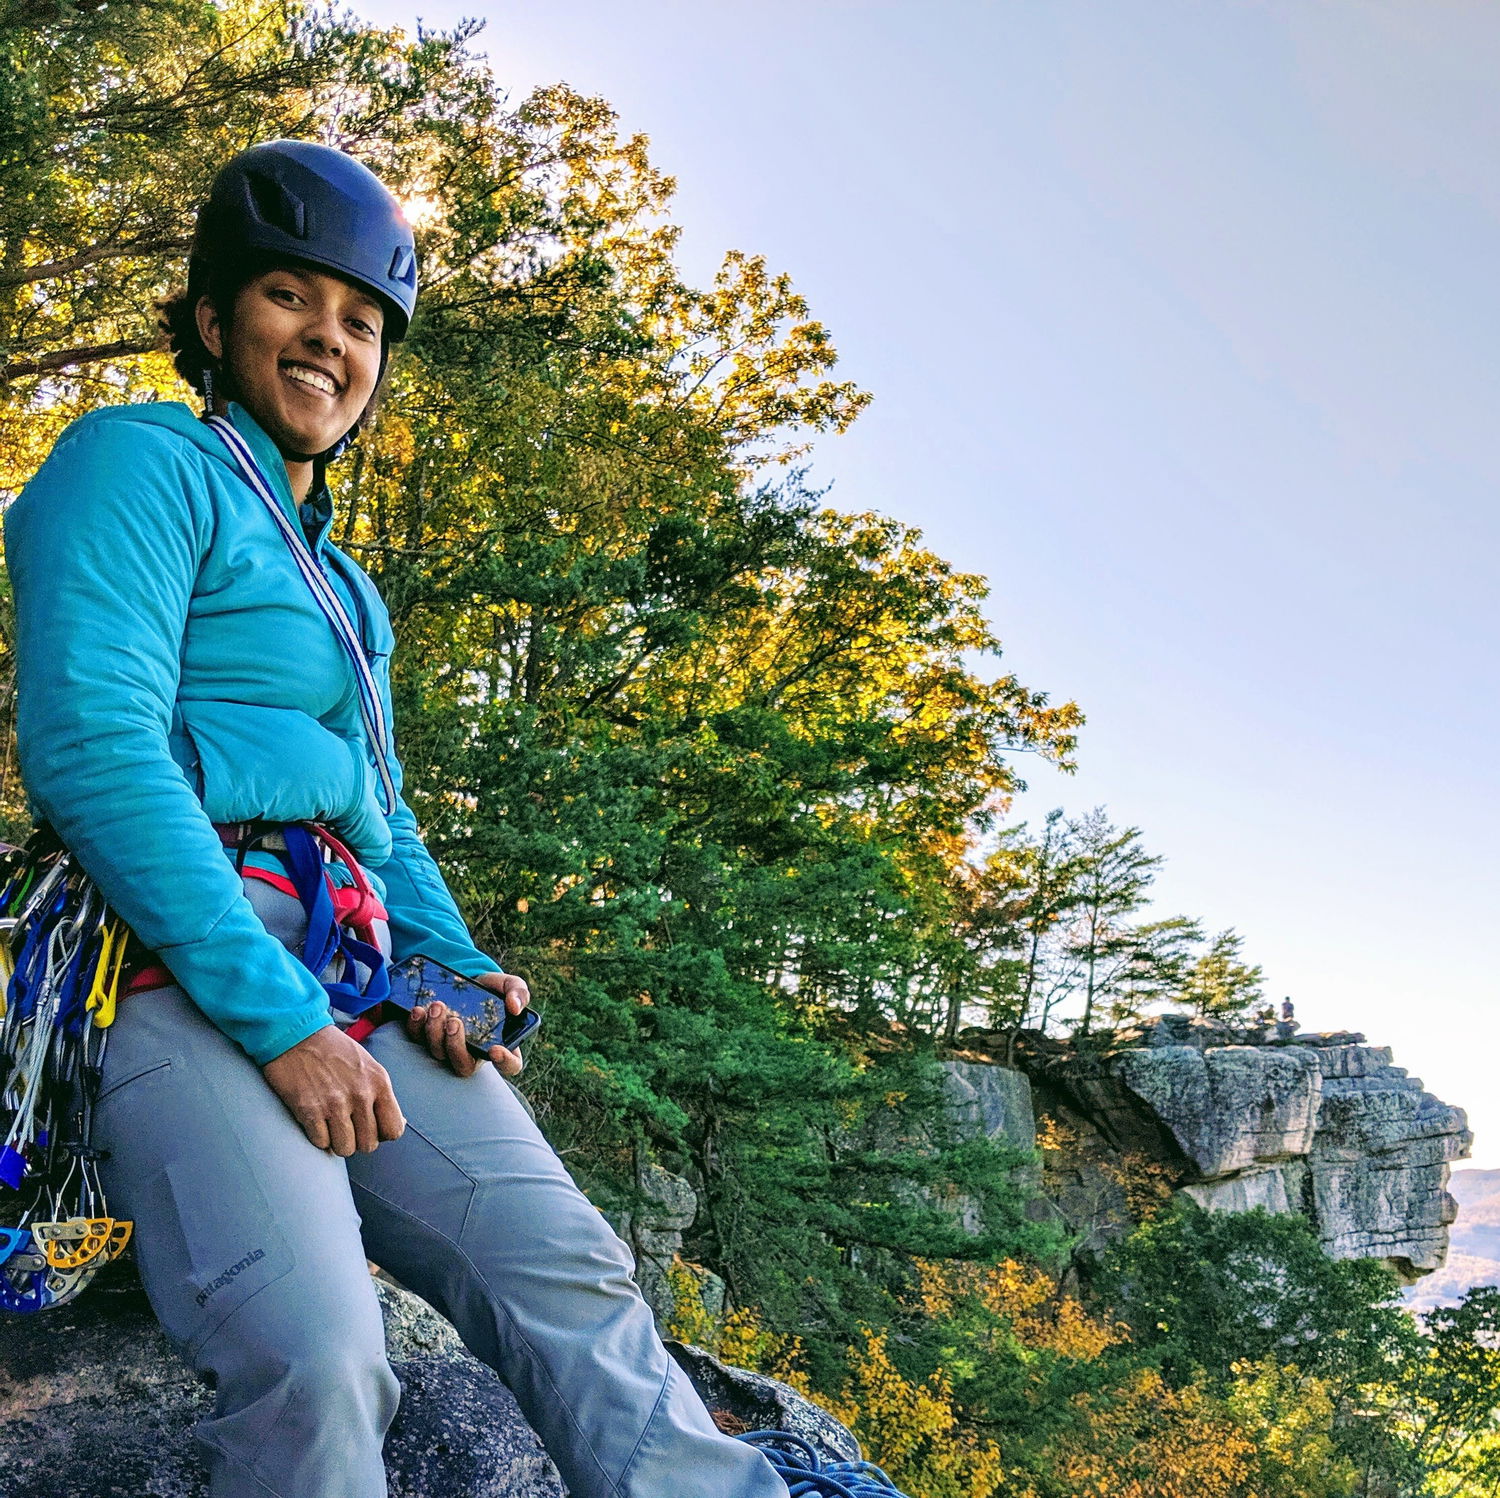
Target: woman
{"type": "Point", "coordinates": [179, 679]}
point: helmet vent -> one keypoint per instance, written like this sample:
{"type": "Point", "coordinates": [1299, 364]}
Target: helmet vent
{"type": "Point", "coordinates": [404, 266]}
{"type": "Point", "coordinates": [276, 206]}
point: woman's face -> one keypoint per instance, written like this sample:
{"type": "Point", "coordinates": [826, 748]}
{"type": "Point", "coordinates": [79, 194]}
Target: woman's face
{"type": "Point", "coordinates": [303, 354]}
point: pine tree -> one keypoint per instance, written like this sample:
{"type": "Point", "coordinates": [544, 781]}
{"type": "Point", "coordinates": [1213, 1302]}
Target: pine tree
{"type": "Point", "coordinates": [1219, 985]}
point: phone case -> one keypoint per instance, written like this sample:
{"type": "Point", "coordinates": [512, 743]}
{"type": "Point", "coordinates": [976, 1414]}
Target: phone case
{"type": "Point", "coordinates": [420, 980]}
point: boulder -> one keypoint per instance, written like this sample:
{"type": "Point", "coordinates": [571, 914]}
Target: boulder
{"type": "Point", "coordinates": [741, 1401]}
{"type": "Point", "coordinates": [1379, 1163]}
{"type": "Point", "coordinates": [95, 1403]}
{"type": "Point", "coordinates": [992, 1102]}
{"type": "Point", "coordinates": [653, 1229]}
{"type": "Point", "coordinates": [1229, 1108]}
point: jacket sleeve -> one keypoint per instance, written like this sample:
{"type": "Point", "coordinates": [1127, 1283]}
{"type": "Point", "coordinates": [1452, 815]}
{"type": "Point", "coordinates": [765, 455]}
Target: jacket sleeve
{"type": "Point", "coordinates": [103, 548]}
{"type": "Point", "coordinates": [424, 916]}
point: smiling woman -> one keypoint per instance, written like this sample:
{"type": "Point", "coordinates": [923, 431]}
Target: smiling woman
{"type": "Point", "coordinates": [185, 712]}
{"type": "Point", "coordinates": [307, 356]}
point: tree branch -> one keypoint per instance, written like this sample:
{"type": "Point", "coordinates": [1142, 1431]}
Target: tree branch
{"type": "Point", "coordinates": [66, 358]}
{"type": "Point", "coordinates": [47, 269]}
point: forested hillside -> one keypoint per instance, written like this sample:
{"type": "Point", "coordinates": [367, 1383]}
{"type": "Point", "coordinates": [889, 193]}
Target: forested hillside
{"type": "Point", "coordinates": [724, 772]}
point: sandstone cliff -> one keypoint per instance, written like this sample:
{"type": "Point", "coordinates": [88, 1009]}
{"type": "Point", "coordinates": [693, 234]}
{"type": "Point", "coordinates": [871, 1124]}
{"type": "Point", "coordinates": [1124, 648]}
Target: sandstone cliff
{"type": "Point", "coordinates": [1321, 1124]}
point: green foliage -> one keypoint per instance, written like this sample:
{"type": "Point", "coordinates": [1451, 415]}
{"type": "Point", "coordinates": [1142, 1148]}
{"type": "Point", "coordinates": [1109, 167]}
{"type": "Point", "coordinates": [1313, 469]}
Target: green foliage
{"type": "Point", "coordinates": [1414, 1408]}
{"type": "Point", "coordinates": [722, 771]}
{"type": "Point", "coordinates": [1219, 985]}
{"type": "Point", "coordinates": [701, 757]}
{"type": "Point", "coordinates": [1442, 1405]}
{"type": "Point", "coordinates": [1204, 1290]}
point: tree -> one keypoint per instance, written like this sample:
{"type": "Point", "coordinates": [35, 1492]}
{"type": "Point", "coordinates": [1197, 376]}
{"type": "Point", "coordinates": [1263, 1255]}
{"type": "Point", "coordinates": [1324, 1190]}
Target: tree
{"type": "Point", "coordinates": [1156, 968]}
{"type": "Point", "coordinates": [1208, 1289]}
{"type": "Point", "coordinates": [1219, 985]}
{"type": "Point", "coordinates": [1445, 1397]}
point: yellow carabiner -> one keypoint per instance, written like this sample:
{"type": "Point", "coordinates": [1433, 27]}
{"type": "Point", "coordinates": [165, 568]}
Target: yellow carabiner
{"type": "Point", "coordinates": [7, 961]}
{"type": "Point", "coordinates": [119, 1236]}
{"type": "Point", "coordinates": [104, 992]}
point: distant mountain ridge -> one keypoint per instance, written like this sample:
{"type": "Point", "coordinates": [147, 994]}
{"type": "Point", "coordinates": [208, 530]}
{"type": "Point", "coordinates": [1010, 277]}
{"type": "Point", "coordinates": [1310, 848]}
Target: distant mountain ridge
{"type": "Point", "coordinates": [1473, 1242]}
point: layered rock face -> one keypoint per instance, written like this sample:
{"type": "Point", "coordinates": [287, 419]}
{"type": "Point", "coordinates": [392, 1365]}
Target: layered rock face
{"type": "Point", "coordinates": [1324, 1125]}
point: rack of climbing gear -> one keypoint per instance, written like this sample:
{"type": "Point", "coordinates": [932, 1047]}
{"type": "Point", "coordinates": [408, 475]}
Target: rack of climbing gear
{"type": "Point", "coordinates": [62, 954]}
{"type": "Point", "coordinates": [808, 1475]}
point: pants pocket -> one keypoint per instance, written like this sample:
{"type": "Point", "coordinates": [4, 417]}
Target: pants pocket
{"type": "Point", "coordinates": [206, 1238]}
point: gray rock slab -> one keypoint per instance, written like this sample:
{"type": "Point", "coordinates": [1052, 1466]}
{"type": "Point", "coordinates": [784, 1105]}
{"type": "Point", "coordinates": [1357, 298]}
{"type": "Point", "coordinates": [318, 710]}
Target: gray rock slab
{"type": "Point", "coordinates": [754, 1401]}
{"type": "Point", "coordinates": [1264, 1188]}
{"type": "Point", "coordinates": [1231, 1107]}
{"type": "Point", "coordinates": [995, 1101]}
{"type": "Point", "coordinates": [94, 1403]}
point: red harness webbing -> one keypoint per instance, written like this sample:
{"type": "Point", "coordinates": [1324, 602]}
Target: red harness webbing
{"type": "Point", "coordinates": [356, 906]}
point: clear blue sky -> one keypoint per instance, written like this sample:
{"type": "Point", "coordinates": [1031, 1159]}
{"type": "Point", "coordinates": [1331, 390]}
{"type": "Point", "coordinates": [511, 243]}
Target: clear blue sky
{"type": "Point", "coordinates": [1183, 323]}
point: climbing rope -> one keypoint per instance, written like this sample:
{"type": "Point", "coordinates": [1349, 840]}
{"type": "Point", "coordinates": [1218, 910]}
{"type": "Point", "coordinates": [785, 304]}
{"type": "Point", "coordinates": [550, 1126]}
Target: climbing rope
{"type": "Point", "coordinates": [62, 954]}
{"type": "Point", "coordinates": [809, 1476]}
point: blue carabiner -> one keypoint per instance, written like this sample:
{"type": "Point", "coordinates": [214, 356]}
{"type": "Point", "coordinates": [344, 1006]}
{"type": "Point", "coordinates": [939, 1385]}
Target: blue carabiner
{"type": "Point", "coordinates": [37, 1297]}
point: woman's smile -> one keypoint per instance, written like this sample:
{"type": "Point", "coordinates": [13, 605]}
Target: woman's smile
{"type": "Point", "coordinates": [310, 378]}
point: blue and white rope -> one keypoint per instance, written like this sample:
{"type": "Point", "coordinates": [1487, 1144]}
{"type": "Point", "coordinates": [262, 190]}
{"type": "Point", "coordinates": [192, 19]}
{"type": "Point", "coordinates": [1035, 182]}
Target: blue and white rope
{"type": "Point", "coordinates": [371, 710]}
{"type": "Point", "coordinates": [807, 1475]}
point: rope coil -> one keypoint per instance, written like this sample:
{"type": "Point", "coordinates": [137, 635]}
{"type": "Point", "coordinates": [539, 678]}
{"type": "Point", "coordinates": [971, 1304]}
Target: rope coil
{"type": "Point", "coordinates": [809, 1476]}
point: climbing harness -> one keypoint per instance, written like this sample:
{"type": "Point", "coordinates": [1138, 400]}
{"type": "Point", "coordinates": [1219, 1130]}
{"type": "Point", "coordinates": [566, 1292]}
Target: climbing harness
{"type": "Point", "coordinates": [62, 957]}
{"type": "Point", "coordinates": [371, 710]}
{"type": "Point", "coordinates": [337, 928]}
{"type": "Point", "coordinates": [63, 960]}
{"type": "Point", "coordinates": [809, 1476]}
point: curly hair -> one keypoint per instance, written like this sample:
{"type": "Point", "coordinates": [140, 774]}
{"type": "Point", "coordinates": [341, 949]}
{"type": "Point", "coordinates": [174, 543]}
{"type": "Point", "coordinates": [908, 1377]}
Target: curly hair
{"type": "Point", "coordinates": [178, 322]}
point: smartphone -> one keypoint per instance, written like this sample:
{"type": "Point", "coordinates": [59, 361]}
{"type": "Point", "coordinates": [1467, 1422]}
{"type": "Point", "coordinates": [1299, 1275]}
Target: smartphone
{"type": "Point", "coordinates": [487, 1022]}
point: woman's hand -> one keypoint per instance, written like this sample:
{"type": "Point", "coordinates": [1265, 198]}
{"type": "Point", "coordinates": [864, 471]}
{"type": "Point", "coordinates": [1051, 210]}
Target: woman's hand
{"type": "Point", "coordinates": [442, 1032]}
{"type": "Point", "coordinates": [337, 1091]}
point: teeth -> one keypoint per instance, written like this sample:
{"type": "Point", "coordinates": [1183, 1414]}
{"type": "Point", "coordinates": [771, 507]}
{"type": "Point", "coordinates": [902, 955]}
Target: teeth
{"type": "Point", "coordinates": [311, 377]}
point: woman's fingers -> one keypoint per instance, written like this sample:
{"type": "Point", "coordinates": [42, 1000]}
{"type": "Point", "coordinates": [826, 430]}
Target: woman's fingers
{"type": "Point", "coordinates": [337, 1091]}
{"type": "Point", "coordinates": [509, 1062]}
{"type": "Point", "coordinates": [366, 1130]}
{"type": "Point", "coordinates": [517, 993]}
{"type": "Point", "coordinates": [342, 1139]}
{"type": "Point", "coordinates": [442, 1032]}
{"type": "Point", "coordinates": [316, 1129]}
{"type": "Point", "coordinates": [458, 1055]}
{"type": "Point", "coordinates": [390, 1122]}
{"type": "Point", "coordinates": [433, 1029]}
{"type": "Point", "coordinates": [511, 989]}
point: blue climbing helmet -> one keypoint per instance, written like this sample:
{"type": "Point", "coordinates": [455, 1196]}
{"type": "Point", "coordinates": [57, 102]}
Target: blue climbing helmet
{"type": "Point", "coordinates": [317, 205]}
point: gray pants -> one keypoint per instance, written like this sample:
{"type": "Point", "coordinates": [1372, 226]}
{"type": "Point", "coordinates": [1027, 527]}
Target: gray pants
{"type": "Point", "coordinates": [252, 1246]}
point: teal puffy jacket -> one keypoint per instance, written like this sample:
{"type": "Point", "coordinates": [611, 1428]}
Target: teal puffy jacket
{"type": "Point", "coordinates": [175, 671]}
